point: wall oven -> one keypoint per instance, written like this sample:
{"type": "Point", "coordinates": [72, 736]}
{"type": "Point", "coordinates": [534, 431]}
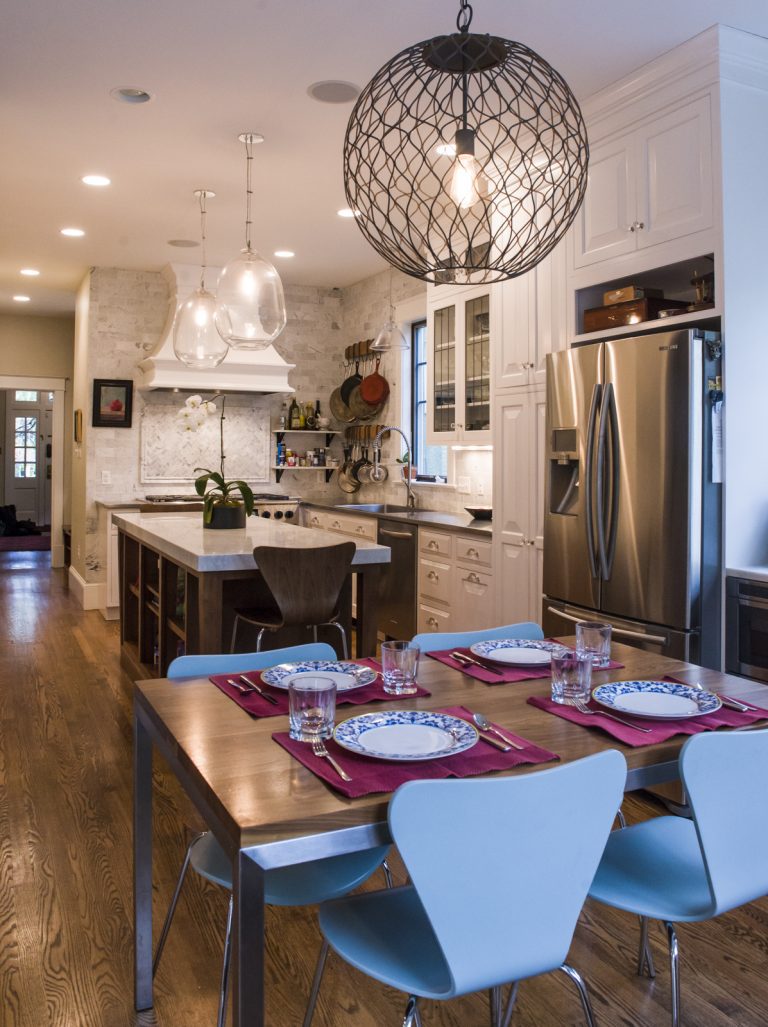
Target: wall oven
{"type": "Point", "coordinates": [746, 634]}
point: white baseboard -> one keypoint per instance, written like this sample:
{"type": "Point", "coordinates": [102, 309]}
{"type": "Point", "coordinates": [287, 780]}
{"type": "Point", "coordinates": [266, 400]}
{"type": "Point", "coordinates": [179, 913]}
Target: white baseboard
{"type": "Point", "coordinates": [88, 594]}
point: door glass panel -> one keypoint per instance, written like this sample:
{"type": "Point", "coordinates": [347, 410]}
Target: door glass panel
{"type": "Point", "coordinates": [477, 414]}
{"type": "Point", "coordinates": [25, 396]}
{"type": "Point", "coordinates": [444, 336]}
{"type": "Point", "coordinates": [25, 447]}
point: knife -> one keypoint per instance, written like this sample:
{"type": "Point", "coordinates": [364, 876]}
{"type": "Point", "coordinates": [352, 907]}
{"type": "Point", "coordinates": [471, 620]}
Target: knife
{"type": "Point", "coordinates": [463, 658]}
{"type": "Point", "coordinates": [251, 688]}
{"type": "Point", "coordinates": [737, 704]}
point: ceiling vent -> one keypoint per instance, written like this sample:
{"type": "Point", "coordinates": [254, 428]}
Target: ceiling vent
{"type": "Point", "coordinates": [241, 371]}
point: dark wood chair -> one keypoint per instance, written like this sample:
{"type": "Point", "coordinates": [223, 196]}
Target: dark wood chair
{"type": "Point", "coordinates": [306, 588]}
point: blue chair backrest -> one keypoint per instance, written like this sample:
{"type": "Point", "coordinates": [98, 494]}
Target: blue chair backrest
{"type": "Point", "coordinates": [503, 865]}
{"type": "Point", "coordinates": [236, 663]}
{"type": "Point", "coordinates": [436, 641]}
{"type": "Point", "coordinates": [725, 779]}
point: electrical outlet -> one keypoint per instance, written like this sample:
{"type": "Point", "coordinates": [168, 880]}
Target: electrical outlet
{"type": "Point", "coordinates": [464, 486]}
{"type": "Point", "coordinates": [480, 489]}
{"type": "Point", "coordinates": [106, 477]}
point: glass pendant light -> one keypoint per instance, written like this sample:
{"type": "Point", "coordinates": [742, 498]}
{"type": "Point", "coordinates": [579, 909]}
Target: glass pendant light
{"type": "Point", "coordinates": [390, 337]}
{"type": "Point", "coordinates": [250, 307]}
{"type": "Point", "coordinates": [195, 340]}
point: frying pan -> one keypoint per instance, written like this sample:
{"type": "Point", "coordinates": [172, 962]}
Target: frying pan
{"type": "Point", "coordinates": [374, 388]}
{"type": "Point", "coordinates": [339, 408]}
{"type": "Point", "coordinates": [354, 379]}
{"type": "Point", "coordinates": [345, 484]}
{"type": "Point", "coordinates": [361, 410]}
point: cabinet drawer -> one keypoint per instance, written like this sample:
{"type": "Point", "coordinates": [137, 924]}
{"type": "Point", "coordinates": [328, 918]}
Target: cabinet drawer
{"type": "Point", "coordinates": [436, 543]}
{"type": "Point", "coordinates": [316, 519]}
{"type": "Point", "coordinates": [473, 550]}
{"type": "Point", "coordinates": [474, 597]}
{"type": "Point", "coordinates": [353, 527]}
{"type": "Point", "coordinates": [430, 619]}
{"type": "Point", "coordinates": [435, 580]}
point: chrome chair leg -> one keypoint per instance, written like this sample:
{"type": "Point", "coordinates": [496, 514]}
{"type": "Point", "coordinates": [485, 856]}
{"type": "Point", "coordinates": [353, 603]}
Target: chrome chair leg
{"type": "Point", "coordinates": [342, 632]}
{"type": "Point", "coordinates": [316, 982]}
{"type": "Point", "coordinates": [387, 874]}
{"type": "Point", "coordinates": [621, 818]}
{"type": "Point", "coordinates": [644, 956]}
{"type": "Point", "coordinates": [510, 1007]}
{"type": "Point", "coordinates": [172, 908]}
{"type": "Point", "coordinates": [224, 990]}
{"type": "Point", "coordinates": [583, 994]}
{"type": "Point", "coordinates": [234, 633]}
{"type": "Point", "coordinates": [494, 1002]}
{"type": "Point", "coordinates": [259, 638]}
{"type": "Point", "coordinates": [412, 1016]}
{"type": "Point", "coordinates": [674, 966]}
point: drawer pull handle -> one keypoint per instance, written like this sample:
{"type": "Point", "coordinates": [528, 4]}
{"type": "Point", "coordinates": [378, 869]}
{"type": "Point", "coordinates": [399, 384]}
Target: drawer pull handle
{"type": "Point", "coordinates": [360, 529]}
{"type": "Point", "coordinates": [473, 578]}
{"type": "Point", "coordinates": [473, 553]}
{"type": "Point", "coordinates": [432, 622]}
{"type": "Point", "coordinates": [433, 576]}
{"type": "Point", "coordinates": [433, 544]}
{"type": "Point", "coordinates": [335, 524]}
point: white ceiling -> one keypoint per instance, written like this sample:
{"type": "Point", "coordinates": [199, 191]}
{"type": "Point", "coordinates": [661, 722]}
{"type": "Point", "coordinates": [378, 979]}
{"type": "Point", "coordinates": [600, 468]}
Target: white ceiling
{"type": "Point", "coordinates": [218, 69]}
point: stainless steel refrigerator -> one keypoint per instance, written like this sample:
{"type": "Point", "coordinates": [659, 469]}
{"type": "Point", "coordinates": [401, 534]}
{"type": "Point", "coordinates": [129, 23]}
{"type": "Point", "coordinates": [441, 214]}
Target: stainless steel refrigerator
{"type": "Point", "coordinates": [632, 524]}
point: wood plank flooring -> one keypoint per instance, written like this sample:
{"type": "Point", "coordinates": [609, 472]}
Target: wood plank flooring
{"type": "Point", "coordinates": [65, 873]}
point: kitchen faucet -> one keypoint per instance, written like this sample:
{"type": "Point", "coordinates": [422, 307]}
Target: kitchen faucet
{"type": "Point", "coordinates": [411, 502]}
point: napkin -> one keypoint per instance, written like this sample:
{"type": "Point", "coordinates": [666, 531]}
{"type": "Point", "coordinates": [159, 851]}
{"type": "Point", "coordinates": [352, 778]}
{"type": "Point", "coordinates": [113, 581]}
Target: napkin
{"type": "Point", "coordinates": [506, 674]}
{"type": "Point", "coordinates": [372, 775]}
{"type": "Point", "coordinates": [253, 703]}
{"type": "Point", "coordinates": [660, 730]}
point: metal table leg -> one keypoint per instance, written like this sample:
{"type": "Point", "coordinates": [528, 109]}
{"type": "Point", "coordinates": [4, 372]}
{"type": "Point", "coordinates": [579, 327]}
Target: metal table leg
{"type": "Point", "coordinates": [142, 864]}
{"type": "Point", "coordinates": [248, 936]}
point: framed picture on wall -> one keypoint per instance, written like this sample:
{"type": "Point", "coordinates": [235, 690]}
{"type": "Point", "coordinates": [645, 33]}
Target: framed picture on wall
{"type": "Point", "coordinates": [112, 403]}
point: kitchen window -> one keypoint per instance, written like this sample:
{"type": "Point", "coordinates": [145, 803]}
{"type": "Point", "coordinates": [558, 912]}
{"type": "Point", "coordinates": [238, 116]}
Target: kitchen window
{"type": "Point", "coordinates": [429, 460]}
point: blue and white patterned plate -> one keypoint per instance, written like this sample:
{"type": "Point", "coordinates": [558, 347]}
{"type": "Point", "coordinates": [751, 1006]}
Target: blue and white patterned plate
{"type": "Point", "coordinates": [664, 700]}
{"type": "Point", "coordinates": [406, 735]}
{"type": "Point", "coordinates": [346, 674]}
{"type": "Point", "coordinates": [516, 652]}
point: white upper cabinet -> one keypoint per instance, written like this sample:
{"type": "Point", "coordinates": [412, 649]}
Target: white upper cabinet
{"type": "Point", "coordinates": [648, 186]}
{"type": "Point", "coordinates": [460, 325]}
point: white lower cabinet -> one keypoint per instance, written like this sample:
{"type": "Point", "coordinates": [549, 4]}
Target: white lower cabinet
{"type": "Point", "coordinates": [518, 492]}
{"type": "Point", "coordinates": [455, 582]}
{"type": "Point", "coordinates": [348, 525]}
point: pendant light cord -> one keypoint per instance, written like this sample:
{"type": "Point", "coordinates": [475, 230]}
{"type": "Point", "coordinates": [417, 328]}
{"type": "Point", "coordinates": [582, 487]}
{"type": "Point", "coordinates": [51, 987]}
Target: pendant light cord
{"type": "Point", "coordinates": [203, 263]}
{"type": "Point", "coordinates": [463, 21]}
{"type": "Point", "coordinates": [248, 188]}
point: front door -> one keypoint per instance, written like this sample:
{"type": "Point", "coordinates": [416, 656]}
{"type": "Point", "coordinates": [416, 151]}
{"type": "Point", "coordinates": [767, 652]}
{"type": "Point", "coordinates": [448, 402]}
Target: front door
{"type": "Point", "coordinates": [25, 446]}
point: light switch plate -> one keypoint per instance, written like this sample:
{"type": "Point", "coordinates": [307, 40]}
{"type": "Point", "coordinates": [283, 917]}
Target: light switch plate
{"type": "Point", "coordinates": [106, 477]}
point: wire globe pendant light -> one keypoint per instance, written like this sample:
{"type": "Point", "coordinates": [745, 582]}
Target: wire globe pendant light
{"type": "Point", "coordinates": [196, 342]}
{"type": "Point", "coordinates": [250, 307]}
{"type": "Point", "coordinates": [465, 158]}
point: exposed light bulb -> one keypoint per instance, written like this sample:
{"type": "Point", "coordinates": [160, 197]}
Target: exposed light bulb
{"type": "Point", "coordinates": [468, 184]}
{"type": "Point", "coordinates": [195, 339]}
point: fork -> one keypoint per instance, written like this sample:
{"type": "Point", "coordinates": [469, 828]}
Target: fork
{"type": "Point", "coordinates": [319, 749]}
{"type": "Point", "coordinates": [582, 707]}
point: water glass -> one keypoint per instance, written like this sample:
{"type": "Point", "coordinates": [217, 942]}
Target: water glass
{"type": "Point", "coordinates": [594, 638]}
{"type": "Point", "coordinates": [399, 663]}
{"type": "Point", "coordinates": [571, 676]}
{"type": "Point", "coordinates": [311, 707]}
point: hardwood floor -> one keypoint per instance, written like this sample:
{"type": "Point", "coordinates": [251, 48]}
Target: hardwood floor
{"type": "Point", "coordinates": [65, 873]}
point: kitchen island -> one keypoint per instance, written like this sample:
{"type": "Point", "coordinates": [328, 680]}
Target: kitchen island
{"type": "Point", "coordinates": [180, 584]}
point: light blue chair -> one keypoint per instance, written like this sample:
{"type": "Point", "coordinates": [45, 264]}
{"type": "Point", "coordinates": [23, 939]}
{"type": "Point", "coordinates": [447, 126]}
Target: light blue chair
{"type": "Point", "coordinates": [523, 851]}
{"type": "Point", "coordinates": [678, 870]}
{"type": "Point", "coordinates": [302, 885]}
{"type": "Point", "coordinates": [431, 642]}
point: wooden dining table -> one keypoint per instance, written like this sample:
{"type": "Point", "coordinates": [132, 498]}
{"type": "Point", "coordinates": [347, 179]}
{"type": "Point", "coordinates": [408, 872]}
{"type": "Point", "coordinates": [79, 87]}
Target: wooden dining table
{"type": "Point", "coordinates": [268, 811]}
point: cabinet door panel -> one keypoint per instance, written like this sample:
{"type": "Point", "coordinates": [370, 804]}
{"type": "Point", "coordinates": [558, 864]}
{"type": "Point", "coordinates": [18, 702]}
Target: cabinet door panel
{"type": "Point", "coordinates": [435, 581]}
{"type": "Point", "coordinates": [675, 175]}
{"type": "Point", "coordinates": [515, 585]}
{"type": "Point", "coordinates": [518, 314]}
{"type": "Point", "coordinates": [512, 472]}
{"type": "Point", "coordinates": [430, 619]}
{"type": "Point", "coordinates": [608, 211]}
{"type": "Point", "coordinates": [442, 375]}
{"type": "Point", "coordinates": [474, 599]}
{"type": "Point", "coordinates": [550, 330]}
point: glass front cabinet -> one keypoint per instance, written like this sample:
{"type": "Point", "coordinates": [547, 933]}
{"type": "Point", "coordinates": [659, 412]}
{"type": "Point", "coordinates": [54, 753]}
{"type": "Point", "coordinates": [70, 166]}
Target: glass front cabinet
{"type": "Point", "coordinates": [459, 366]}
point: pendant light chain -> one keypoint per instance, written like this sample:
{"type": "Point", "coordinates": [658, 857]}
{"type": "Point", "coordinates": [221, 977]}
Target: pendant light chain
{"type": "Point", "coordinates": [464, 19]}
{"type": "Point", "coordinates": [248, 188]}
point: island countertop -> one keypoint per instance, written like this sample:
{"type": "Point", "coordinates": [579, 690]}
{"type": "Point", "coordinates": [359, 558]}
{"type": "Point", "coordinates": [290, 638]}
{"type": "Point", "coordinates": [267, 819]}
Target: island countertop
{"type": "Point", "coordinates": [182, 538]}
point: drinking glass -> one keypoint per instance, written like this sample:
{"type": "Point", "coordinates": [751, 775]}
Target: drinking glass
{"type": "Point", "coordinates": [571, 676]}
{"type": "Point", "coordinates": [399, 663]}
{"type": "Point", "coordinates": [311, 707]}
{"type": "Point", "coordinates": [594, 638]}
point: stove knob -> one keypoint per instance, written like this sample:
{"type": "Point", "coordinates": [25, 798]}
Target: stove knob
{"type": "Point", "coordinates": [288, 514]}
{"type": "Point", "coordinates": [278, 514]}
{"type": "Point", "coordinates": [265, 513]}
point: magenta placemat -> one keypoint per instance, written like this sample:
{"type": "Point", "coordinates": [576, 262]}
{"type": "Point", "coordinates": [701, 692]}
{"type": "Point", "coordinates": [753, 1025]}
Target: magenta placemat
{"type": "Point", "coordinates": [256, 706]}
{"type": "Point", "coordinates": [371, 775]}
{"type": "Point", "coordinates": [660, 730]}
{"type": "Point", "coordinates": [505, 675]}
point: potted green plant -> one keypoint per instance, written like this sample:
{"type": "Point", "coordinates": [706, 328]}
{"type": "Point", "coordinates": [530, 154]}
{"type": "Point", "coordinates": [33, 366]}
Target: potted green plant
{"type": "Point", "coordinates": [226, 504]}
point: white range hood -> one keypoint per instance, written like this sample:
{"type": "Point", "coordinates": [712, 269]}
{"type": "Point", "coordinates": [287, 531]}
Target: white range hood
{"type": "Point", "coordinates": [241, 370]}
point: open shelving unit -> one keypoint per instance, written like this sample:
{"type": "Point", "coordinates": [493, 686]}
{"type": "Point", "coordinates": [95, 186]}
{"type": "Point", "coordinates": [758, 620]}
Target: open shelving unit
{"type": "Point", "coordinates": [280, 434]}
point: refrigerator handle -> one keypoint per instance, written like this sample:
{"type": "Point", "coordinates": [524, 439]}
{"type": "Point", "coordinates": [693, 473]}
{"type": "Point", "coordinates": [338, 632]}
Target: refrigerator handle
{"type": "Point", "coordinates": [589, 515]}
{"type": "Point", "coordinates": [610, 402]}
{"type": "Point", "coordinates": [602, 432]}
{"type": "Point", "coordinates": [622, 632]}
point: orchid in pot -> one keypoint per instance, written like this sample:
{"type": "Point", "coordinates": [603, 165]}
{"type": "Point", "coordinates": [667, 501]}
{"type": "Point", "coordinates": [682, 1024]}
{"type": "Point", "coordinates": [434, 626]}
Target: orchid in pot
{"type": "Point", "coordinates": [225, 503]}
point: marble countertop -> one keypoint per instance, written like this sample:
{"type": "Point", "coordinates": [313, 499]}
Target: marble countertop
{"type": "Point", "coordinates": [182, 538]}
{"type": "Point", "coordinates": [755, 573]}
{"type": "Point", "coordinates": [431, 518]}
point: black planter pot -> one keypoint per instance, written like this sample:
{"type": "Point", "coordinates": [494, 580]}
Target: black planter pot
{"type": "Point", "coordinates": [226, 517]}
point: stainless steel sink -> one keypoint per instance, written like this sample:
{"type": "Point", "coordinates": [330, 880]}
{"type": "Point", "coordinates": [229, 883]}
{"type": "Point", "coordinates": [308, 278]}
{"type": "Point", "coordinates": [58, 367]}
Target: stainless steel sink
{"type": "Point", "coordinates": [377, 508]}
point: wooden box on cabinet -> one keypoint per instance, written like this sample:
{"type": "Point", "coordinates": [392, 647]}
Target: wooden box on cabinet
{"type": "Point", "coordinates": [628, 313]}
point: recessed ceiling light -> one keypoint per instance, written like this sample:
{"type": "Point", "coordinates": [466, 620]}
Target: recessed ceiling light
{"type": "Point", "coordinates": [130, 94]}
{"type": "Point", "coordinates": [334, 91]}
{"type": "Point", "coordinates": [75, 233]}
{"type": "Point", "coordinates": [22, 299]}
{"type": "Point", "coordinates": [284, 253]}
{"type": "Point", "coordinates": [95, 180]}
{"type": "Point", "coordinates": [183, 243]}
{"type": "Point", "coordinates": [30, 272]}
{"type": "Point", "coordinates": [347, 212]}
